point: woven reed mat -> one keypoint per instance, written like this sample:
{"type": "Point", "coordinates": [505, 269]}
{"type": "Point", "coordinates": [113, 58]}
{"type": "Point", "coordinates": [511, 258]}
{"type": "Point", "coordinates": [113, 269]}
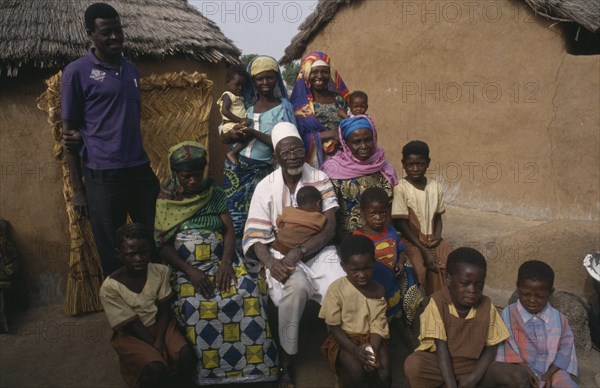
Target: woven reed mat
{"type": "Point", "coordinates": [175, 107]}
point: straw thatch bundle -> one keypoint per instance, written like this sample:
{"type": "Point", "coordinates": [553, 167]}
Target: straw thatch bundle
{"type": "Point", "coordinates": [325, 11]}
{"type": "Point", "coordinates": [85, 271]}
{"type": "Point", "coordinates": [51, 33]}
{"type": "Point", "coordinates": [175, 107]}
{"type": "Point", "coordinates": [584, 12]}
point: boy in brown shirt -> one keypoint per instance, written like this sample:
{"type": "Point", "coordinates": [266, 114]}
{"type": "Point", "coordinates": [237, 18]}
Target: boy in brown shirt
{"type": "Point", "coordinates": [460, 330]}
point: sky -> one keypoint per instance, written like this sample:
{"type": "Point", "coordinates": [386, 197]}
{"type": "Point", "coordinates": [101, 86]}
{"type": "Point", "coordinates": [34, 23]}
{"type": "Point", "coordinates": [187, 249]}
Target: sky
{"type": "Point", "coordinates": [258, 27]}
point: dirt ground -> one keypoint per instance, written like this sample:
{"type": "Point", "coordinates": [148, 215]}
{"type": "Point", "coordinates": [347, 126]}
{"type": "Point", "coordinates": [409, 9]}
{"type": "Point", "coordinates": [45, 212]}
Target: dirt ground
{"type": "Point", "coordinates": [45, 348]}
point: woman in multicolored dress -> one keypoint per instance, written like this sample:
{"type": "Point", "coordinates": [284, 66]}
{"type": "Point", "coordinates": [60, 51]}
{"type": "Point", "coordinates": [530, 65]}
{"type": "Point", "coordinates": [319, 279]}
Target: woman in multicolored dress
{"type": "Point", "coordinates": [319, 99]}
{"type": "Point", "coordinates": [219, 304]}
{"type": "Point", "coordinates": [360, 164]}
{"type": "Point", "coordinates": [267, 104]}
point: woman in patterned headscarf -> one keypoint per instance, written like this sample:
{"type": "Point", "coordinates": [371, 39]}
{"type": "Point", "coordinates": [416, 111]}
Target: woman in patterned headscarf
{"type": "Point", "coordinates": [219, 304]}
{"type": "Point", "coordinates": [319, 99]}
{"type": "Point", "coordinates": [266, 102]}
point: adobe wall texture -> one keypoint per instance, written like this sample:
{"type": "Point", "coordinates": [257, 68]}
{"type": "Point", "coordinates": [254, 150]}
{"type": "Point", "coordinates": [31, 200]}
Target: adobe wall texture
{"type": "Point", "coordinates": [512, 120]}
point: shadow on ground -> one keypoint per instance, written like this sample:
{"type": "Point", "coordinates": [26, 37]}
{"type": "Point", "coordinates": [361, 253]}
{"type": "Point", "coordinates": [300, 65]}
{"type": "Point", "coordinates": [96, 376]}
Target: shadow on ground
{"type": "Point", "coordinates": [45, 348]}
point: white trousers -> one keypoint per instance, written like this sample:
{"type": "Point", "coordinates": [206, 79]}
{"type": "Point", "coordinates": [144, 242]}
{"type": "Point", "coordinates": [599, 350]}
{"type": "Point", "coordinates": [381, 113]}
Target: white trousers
{"type": "Point", "coordinates": [310, 280]}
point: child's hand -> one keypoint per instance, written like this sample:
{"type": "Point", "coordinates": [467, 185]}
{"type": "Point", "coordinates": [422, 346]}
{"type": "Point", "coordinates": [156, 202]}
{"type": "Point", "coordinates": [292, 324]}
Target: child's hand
{"type": "Point", "coordinates": [365, 357]}
{"type": "Point", "coordinates": [433, 242]}
{"type": "Point", "coordinates": [547, 379]}
{"type": "Point", "coordinates": [402, 258]}
{"type": "Point", "coordinates": [246, 122]}
{"type": "Point", "coordinates": [431, 261]}
{"type": "Point", "coordinates": [247, 133]}
{"type": "Point", "coordinates": [398, 271]}
{"type": "Point", "coordinates": [237, 132]}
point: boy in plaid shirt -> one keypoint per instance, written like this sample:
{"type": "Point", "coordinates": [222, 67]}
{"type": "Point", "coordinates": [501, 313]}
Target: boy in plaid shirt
{"type": "Point", "coordinates": [540, 337]}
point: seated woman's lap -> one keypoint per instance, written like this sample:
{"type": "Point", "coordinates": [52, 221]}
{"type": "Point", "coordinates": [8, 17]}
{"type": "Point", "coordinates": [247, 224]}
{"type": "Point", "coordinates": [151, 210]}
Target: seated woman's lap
{"type": "Point", "coordinates": [235, 317]}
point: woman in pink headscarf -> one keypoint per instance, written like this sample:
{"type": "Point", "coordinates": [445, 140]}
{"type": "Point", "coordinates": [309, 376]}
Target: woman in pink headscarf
{"type": "Point", "coordinates": [359, 165]}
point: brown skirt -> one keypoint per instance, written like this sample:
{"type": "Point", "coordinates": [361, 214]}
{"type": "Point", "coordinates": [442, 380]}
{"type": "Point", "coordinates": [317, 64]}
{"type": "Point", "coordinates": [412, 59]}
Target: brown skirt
{"type": "Point", "coordinates": [135, 354]}
{"type": "Point", "coordinates": [331, 347]}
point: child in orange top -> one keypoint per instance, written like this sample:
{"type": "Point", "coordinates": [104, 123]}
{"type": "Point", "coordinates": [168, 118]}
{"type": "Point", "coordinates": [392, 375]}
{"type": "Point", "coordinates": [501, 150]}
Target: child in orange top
{"type": "Point", "coordinates": [460, 331]}
{"type": "Point", "coordinates": [417, 213]}
{"type": "Point", "coordinates": [136, 302]}
{"type": "Point", "coordinates": [354, 311]}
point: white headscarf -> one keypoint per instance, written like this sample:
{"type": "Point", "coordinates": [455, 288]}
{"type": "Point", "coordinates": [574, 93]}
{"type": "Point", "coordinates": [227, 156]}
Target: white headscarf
{"type": "Point", "coordinates": [282, 130]}
{"type": "Point", "coordinates": [319, 62]}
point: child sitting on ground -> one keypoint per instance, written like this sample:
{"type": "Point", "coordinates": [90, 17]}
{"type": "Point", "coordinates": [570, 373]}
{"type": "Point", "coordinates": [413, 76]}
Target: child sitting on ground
{"type": "Point", "coordinates": [233, 110]}
{"type": "Point", "coordinates": [295, 226]}
{"type": "Point", "coordinates": [540, 337]}
{"type": "Point", "coordinates": [358, 103]}
{"type": "Point", "coordinates": [136, 302]}
{"type": "Point", "coordinates": [391, 269]}
{"type": "Point", "coordinates": [417, 213]}
{"type": "Point", "coordinates": [354, 311]}
{"type": "Point", "coordinates": [460, 331]}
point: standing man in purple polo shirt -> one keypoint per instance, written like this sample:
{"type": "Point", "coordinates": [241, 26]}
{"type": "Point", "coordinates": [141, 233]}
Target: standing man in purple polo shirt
{"type": "Point", "coordinates": [102, 136]}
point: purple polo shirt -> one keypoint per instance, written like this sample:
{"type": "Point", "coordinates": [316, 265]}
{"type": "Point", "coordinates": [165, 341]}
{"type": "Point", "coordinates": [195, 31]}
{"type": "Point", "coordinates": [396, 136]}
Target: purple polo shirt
{"type": "Point", "coordinates": [107, 103]}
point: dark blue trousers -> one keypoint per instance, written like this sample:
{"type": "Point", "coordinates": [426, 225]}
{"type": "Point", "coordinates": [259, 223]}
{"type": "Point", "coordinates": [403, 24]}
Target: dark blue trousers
{"type": "Point", "coordinates": [111, 196]}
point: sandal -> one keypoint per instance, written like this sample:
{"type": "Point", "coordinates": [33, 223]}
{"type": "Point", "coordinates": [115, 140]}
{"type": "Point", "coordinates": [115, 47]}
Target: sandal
{"type": "Point", "coordinates": [286, 378]}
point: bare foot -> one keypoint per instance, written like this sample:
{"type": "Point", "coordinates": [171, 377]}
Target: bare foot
{"type": "Point", "coordinates": [232, 157]}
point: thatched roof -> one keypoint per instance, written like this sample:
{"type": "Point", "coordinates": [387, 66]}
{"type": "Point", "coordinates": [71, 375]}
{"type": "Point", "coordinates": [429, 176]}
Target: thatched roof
{"type": "Point", "coordinates": [584, 12]}
{"type": "Point", "coordinates": [51, 33]}
{"type": "Point", "coordinates": [325, 11]}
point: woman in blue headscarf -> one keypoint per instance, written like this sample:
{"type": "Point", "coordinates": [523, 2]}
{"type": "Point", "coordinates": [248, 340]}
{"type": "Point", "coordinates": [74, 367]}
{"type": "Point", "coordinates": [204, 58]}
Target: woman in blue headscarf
{"type": "Point", "coordinates": [360, 164]}
{"type": "Point", "coordinates": [266, 101]}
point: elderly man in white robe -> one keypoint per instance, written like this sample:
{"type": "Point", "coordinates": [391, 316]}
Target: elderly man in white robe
{"type": "Point", "coordinates": [307, 271]}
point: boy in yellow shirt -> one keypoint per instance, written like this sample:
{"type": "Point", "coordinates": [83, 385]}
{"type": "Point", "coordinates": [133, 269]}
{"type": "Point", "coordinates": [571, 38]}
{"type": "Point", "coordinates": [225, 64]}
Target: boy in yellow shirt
{"type": "Point", "coordinates": [460, 331]}
{"type": "Point", "coordinates": [136, 302]}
